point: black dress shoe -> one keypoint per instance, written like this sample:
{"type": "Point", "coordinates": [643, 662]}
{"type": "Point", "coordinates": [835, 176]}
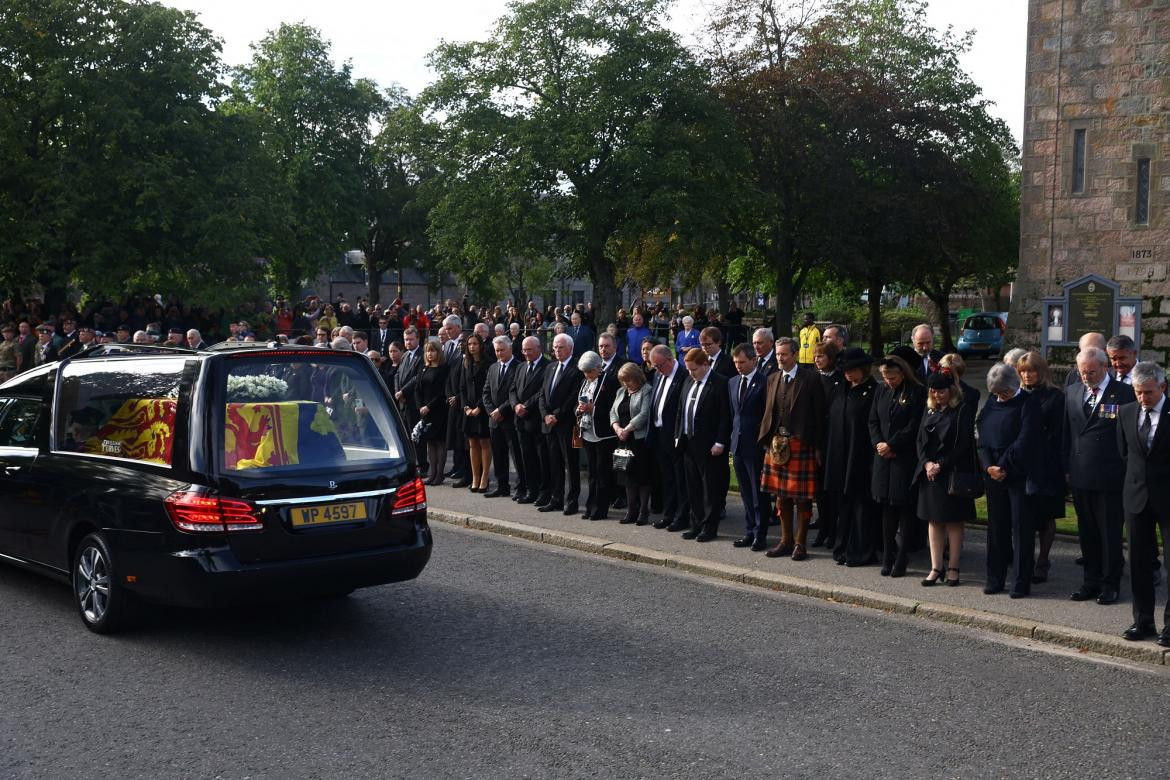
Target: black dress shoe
{"type": "Point", "coordinates": [542, 499]}
{"type": "Point", "coordinates": [461, 483]}
{"type": "Point", "coordinates": [705, 536]}
{"type": "Point", "coordinates": [570, 509]}
{"type": "Point", "coordinates": [525, 500]}
{"type": "Point", "coordinates": [1019, 594]}
{"type": "Point", "coordinates": [627, 520]}
{"type": "Point", "coordinates": [663, 523]}
{"type": "Point", "coordinates": [1139, 631]}
{"type": "Point", "coordinates": [587, 515]}
{"type": "Point", "coordinates": [1164, 637]}
{"type": "Point", "coordinates": [746, 541]}
{"type": "Point", "coordinates": [551, 508]}
{"type": "Point", "coordinates": [1085, 594]}
{"type": "Point", "coordinates": [991, 590]}
{"type": "Point", "coordinates": [1108, 596]}
{"type": "Point", "coordinates": [676, 527]}
{"type": "Point", "coordinates": [760, 544]}
{"type": "Point", "coordinates": [619, 504]}
{"type": "Point", "coordinates": [690, 534]}
{"type": "Point", "coordinates": [599, 516]}
{"type": "Point", "coordinates": [497, 493]}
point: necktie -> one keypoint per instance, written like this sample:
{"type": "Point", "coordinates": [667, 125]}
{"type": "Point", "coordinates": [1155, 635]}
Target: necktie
{"type": "Point", "coordinates": [1145, 428]}
{"type": "Point", "coordinates": [531, 366]}
{"type": "Point", "coordinates": [691, 403]}
{"type": "Point", "coordinates": [788, 379]}
{"type": "Point", "coordinates": [742, 389]}
{"type": "Point", "coordinates": [556, 376]}
{"type": "Point", "coordinates": [1091, 401]}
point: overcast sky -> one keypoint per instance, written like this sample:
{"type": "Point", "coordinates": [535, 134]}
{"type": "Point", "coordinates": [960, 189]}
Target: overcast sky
{"type": "Point", "coordinates": [388, 42]}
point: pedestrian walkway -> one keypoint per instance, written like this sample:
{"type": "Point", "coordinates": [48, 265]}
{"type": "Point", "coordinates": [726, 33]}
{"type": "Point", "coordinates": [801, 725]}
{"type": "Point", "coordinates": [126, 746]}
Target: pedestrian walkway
{"type": "Point", "coordinates": [1047, 615]}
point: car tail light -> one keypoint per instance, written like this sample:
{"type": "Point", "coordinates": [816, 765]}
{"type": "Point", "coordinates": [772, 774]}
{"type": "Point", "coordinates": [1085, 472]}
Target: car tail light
{"type": "Point", "coordinates": [410, 498]}
{"type": "Point", "coordinates": [197, 512]}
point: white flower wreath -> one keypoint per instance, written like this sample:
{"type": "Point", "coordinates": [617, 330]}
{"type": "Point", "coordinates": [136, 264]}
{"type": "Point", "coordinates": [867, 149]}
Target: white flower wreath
{"type": "Point", "coordinates": [246, 388]}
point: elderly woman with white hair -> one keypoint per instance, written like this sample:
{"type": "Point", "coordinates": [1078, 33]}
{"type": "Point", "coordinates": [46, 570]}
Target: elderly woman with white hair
{"type": "Point", "coordinates": [1012, 356]}
{"type": "Point", "coordinates": [1009, 444]}
{"type": "Point", "coordinates": [687, 338]}
{"type": "Point", "coordinates": [595, 400]}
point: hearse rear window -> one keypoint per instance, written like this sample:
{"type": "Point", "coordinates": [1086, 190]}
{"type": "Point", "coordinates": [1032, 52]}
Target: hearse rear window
{"type": "Point", "coordinates": [119, 408]}
{"type": "Point", "coordinates": [296, 413]}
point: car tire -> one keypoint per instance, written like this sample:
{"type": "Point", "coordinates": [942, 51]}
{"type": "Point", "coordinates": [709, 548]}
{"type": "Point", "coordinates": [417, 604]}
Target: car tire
{"type": "Point", "coordinates": [104, 604]}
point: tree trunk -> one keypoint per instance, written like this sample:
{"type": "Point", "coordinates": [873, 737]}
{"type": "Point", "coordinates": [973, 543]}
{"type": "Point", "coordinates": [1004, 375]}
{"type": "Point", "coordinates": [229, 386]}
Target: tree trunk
{"type": "Point", "coordinates": [942, 301]}
{"type": "Point", "coordinates": [785, 305]}
{"type": "Point", "coordinates": [877, 345]}
{"type": "Point", "coordinates": [373, 282]}
{"type": "Point", "coordinates": [605, 290]}
{"type": "Point", "coordinates": [723, 291]}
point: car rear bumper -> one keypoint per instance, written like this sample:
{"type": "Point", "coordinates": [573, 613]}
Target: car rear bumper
{"type": "Point", "coordinates": [213, 576]}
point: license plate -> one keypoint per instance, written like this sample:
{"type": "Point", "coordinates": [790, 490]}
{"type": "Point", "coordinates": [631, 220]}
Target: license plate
{"type": "Point", "coordinates": [978, 346]}
{"type": "Point", "coordinates": [325, 514]}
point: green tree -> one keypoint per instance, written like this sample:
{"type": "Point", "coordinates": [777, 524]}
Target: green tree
{"type": "Point", "coordinates": [577, 124]}
{"type": "Point", "coordinates": [116, 174]}
{"type": "Point", "coordinates": [315, 124]}
{"type": "Point", "coordinates": [394, 235]}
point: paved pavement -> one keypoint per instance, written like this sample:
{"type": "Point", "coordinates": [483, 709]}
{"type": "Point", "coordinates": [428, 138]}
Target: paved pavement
{"type": "Point", "coordinates": [1048, 604]}
{"type": "Point", "coordinates": [507, 660]}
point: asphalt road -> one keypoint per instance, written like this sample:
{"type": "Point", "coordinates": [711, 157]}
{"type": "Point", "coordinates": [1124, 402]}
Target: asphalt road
{"type": "Point", "coordinates": [508, 660]}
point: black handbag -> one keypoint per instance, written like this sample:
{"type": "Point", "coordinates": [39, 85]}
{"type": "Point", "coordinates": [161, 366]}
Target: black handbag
{"type": "Point", "coordinates": [622, 459]}
{"type": "Point", "coordinates": [964, 484]}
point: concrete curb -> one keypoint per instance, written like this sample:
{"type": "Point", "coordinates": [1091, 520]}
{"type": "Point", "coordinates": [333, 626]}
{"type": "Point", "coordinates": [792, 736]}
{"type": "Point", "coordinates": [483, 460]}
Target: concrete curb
{"type": "Point", "coordinates": [1064, 636]}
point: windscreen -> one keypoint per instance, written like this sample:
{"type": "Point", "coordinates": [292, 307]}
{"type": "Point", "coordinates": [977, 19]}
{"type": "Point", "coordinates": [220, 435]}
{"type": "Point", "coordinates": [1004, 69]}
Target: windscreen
{"type": "Point", "coordinates": [305, 412]}
{"type": "Point", "coordinates": [980, 323]}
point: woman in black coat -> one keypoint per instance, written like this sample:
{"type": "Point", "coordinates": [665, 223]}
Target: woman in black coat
{"type": "Point", "coordinates": [430, 396]}
{"type": "Point", "coordinates": [849, 461]}
{"type": "Point", "coordinates": [1046, 487]}
{"type": "Point", "coordinates": [1008, 443]}
{"type": "Point", "coordinates": [946, 446]}
{"type": "Point", "coordinates": [893, 432]}
{"type": "Point", "coordinates": [475, 417]}
{"type": "Point", "coordinates": [825, 359]}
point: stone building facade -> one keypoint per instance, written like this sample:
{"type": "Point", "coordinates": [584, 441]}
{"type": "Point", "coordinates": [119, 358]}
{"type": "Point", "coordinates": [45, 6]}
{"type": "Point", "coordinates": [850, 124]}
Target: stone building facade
{"type": "Point", "coordinates": [1095, 189]}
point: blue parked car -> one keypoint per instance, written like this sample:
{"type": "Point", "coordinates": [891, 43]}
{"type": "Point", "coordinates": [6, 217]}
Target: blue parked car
{"type": "Point", "coordinates": [981, 334]}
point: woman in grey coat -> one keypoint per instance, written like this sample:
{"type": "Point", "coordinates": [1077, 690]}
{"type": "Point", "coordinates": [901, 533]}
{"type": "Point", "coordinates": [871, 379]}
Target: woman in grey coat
{"type": "Point", "coordinates": [630, 419]}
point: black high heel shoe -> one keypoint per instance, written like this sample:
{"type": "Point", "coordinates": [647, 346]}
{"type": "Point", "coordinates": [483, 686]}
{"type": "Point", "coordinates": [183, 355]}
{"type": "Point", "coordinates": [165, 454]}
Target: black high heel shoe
{"type": "Point", "coordinates": [955, 581]}
{"type": "Point", "coordinates": [926, 583]}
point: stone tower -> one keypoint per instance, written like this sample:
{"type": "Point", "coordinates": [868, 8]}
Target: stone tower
{"type": "Point", "coordinates": [1095, 189]}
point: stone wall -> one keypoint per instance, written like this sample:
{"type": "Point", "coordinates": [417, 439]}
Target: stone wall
{"type": "Point", "coordinates": [1102, 66]}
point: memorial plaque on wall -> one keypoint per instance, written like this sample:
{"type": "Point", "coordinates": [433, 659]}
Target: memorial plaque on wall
{"type": "Point", "coordinates": [1091, 307]}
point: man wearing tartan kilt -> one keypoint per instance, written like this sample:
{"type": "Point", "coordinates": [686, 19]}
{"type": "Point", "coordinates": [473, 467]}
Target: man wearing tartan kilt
{"type": "Point", "coordinates": [792, 433]}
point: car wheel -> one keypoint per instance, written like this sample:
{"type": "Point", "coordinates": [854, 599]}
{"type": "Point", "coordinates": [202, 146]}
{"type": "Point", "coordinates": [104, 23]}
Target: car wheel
{"type": "Point", "coordinates": [104, 604]}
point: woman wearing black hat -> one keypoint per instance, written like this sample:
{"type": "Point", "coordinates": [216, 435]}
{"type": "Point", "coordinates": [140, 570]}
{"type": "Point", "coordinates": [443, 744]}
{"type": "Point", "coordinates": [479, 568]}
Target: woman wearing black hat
{"type": "Point", "coordinates": [946, 446]}
{"type": "Point", "coordinates": [893, 431]}
{"type": "Point", "coordinates": [849, 461]}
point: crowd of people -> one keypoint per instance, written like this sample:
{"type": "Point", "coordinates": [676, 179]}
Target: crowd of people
{"type": "Point", "coordinates": [893, 459]}
{"type": "Point", "coordinates": [664, 405]}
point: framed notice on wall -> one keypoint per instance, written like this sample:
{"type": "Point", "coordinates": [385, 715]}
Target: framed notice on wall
{"type": "Point", "coordinates": [1090, 304]}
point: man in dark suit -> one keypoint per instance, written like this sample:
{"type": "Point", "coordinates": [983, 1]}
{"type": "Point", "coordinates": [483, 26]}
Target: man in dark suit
{"type": "Point", "coordinates": [763, 344]}
{"type": "Point", "coordinates": [583, 338]}
{"type": "Point", "coordinates": [611, 361]}
{"type": "Point", "coordinates": [558, 401]}
{"type": "Point", "coordinates": [381, 337]}
{"type": "Point", "coordinates": [747, 409]}
{"type": "Point", "coordinates": [711, 342]}
{"type": "Point", "coordinates": [405, 380]}
{"type": "Point", "coordinates": [501, 417]}
{"type": "Point", "coordinates": [1096, 473]}
{"type": "Point", "coordinates": [1145, 446]}
{"type": "Point", "coordinates": [702, 431]}
{"type": "Point", "coordinates": [664, 401]}
{"type": "Point", "coordinates": [922, 338]}
{"type": "Point", "coordinates": [524, 398]}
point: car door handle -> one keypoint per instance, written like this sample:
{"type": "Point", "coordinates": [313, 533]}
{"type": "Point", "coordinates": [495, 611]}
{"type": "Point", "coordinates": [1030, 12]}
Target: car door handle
{"type": "Point", "coordinates": [10, 470]}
